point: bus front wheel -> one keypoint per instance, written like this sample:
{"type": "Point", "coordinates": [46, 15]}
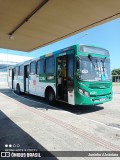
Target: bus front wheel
{"type": "Point", "coordinates": [50, 96]}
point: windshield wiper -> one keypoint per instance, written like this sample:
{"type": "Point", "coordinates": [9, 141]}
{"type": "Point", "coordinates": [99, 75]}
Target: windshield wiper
{"type": "Point", "coordinates": [104, 59]}
{"type": "Point", "coordinates": [90, 58]}
{"type": "Point", "coordinates": [103, 65]}
{"type": "Point", "coordinates": [96, 65]}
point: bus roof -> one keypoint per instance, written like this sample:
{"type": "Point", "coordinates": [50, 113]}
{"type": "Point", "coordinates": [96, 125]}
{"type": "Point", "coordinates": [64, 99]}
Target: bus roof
{"type": "Point", "coordinates": [57, 52]}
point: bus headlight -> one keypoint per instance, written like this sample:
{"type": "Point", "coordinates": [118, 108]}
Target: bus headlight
{"type": "Point", "coordinates": [81, 91]}
{"type": "Point", "coordinates": [85, 93]}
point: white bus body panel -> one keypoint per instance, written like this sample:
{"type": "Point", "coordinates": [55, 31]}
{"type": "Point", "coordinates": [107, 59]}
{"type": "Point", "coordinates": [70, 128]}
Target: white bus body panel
{"type": "Point", "coordinates": [38, 88]}
{"type": "Point", "coordinates": [27, 85]}
{"type": "Point", "coordinates": [32, 84]}
{"type": "Point", "coordinates": [71, 98]}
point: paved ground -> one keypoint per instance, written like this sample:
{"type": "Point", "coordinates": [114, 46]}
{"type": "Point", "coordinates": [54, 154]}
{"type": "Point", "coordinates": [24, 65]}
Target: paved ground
{"type": "Point", "coordinates": [36, 125]}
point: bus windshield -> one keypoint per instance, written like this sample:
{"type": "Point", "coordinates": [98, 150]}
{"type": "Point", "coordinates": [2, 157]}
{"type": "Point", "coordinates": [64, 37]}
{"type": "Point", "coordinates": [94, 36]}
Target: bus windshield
{"type": "Point", "coordinates": [94, 69]}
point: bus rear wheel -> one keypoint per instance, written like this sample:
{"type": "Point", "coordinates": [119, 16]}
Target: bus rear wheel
{"type": "Point", "coordinates": [18, 89]}
{"type": "Point", "coordinates": [50, 96]}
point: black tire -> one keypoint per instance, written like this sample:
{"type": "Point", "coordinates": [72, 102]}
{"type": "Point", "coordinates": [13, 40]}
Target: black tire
{"type": "Point", "coordinates": [18, 89]}
{"type": "Point", "coordinates": [50, 96]}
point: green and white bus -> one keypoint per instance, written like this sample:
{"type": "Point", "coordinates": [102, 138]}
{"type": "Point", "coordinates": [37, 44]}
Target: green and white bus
{"type": "Point", "coordinates": [77, 75]}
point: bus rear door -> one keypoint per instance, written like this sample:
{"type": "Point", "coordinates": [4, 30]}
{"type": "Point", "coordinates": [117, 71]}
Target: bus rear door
{"type": "Point", "coordinates": [26, 78]}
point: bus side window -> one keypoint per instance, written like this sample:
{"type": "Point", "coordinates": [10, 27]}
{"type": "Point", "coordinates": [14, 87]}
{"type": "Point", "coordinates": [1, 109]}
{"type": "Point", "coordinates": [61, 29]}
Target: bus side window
{"type": "Point", "coordinates": [15, 71]}
{"type": "Point", "coordinates": [10, 73]}
{"type": "Point", "coordinates": [49, 65]}
{"type": "Point", "coordinates": [33, 68]}
{"type": "Point", "coordinates": [40, 66]}
{"type": "Point", "coordinates": [20, 70]}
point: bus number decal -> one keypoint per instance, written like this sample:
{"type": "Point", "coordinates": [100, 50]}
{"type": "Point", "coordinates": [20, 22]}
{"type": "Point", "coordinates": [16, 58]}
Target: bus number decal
{"type": "Point", "coordinates": [34, 82]}
{"type": "Point", "coordinates": [42, 78]}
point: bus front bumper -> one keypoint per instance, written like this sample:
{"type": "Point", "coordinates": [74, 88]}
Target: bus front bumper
{"type": "Point", "coordinates": [84, 100]}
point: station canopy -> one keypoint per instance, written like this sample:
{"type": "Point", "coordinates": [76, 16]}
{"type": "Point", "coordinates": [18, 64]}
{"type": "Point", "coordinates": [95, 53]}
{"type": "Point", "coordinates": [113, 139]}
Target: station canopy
{"type": "Point", "coordinates": [26, 25]}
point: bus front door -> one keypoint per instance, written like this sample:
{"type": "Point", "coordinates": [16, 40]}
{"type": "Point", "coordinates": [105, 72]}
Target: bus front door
{"type": "Point", "coordinates": [61, 90]}
{"type": "Point", "coordinates": [65, 78]}
{"type": "Point", "coordinates": [70, 78]}
{"type": "Point", "coordinates": [26, 78]}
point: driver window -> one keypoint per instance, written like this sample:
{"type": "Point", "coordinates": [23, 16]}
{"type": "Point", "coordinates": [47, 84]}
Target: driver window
{"type": "Point", "coordinates": [77, 64]}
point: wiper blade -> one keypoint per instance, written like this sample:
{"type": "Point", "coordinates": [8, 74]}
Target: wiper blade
{"type": "Point", "coordinates": [103, 59]}
{"type": "Point", "coordinates": [103, 65]}
{"type": "Point", "coordinates": [90, 58]}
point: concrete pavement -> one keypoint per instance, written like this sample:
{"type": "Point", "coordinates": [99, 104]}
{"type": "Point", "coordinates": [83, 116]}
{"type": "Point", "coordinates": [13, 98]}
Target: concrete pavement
{"type": "Point", "coordinates": [38, 126]}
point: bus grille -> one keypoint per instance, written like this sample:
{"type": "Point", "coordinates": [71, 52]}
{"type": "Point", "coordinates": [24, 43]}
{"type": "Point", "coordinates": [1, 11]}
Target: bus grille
{"type": "Point", "coordinates": [99, 85]}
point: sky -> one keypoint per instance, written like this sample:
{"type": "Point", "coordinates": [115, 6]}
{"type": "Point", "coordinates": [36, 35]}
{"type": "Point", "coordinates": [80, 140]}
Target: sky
{"type": "Point", "coordinates": [106, 36]}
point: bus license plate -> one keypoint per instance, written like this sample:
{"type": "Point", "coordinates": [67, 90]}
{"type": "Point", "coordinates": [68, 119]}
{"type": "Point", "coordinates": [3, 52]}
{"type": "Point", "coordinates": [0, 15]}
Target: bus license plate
{"type": "Point", "coordinates": [102, 99]}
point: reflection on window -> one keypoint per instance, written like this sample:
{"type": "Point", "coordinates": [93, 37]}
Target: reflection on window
{"type": "Point", "coordinates": [40, 66]}
{"type": "Point", "coordinates": [20, 70]}
{"type": "Point", "coordinates": [33, 68]}
{"type": "Point", "coordinates": [16, 71]}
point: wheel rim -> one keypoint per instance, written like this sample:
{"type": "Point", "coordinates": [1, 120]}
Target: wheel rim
{"type": "Point", "coordinates": [51, 96]}
{"type": "Point", "coordinates": [18, 89]}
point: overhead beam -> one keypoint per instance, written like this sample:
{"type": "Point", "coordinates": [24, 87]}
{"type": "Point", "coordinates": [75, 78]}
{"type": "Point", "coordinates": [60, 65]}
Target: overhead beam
{"type": "Point", "coordinates": [37, 23]}
{"type": "Point", "coordinates": [28, 17]}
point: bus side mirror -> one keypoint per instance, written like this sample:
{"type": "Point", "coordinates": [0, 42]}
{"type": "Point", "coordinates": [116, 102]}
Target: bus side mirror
{"type": "Point", "coordinates": [78, 75]}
